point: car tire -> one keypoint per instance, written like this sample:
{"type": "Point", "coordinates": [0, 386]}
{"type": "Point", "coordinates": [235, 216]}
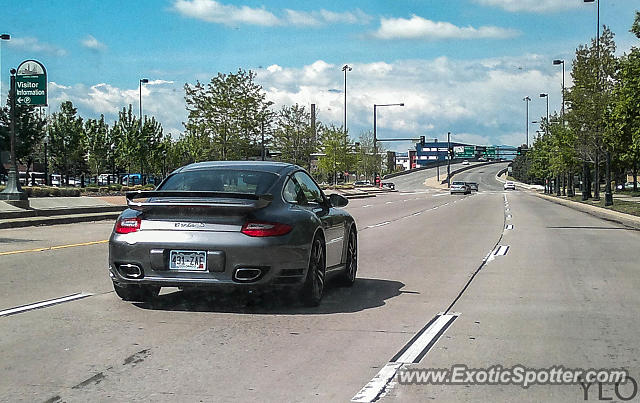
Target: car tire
{"type": "Point", "coordinates": [136, 293]}
{"type": "Point", "coordinates": [313, 288]}
{"type": "Point", "coordinates": [348, 277]}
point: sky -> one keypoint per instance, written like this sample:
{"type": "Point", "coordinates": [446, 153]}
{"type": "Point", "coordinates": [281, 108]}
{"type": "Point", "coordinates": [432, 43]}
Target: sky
{"type": "Point", "coordinates": [459, 66]}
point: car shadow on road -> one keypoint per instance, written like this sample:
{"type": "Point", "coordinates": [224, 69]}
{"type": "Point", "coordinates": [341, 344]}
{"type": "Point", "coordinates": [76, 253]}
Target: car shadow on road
{"type": "Point", "coordinates": [366, 293]}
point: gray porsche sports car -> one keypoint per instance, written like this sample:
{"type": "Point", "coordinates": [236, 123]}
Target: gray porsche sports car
{"type": "Point", "coordinates": [248, 224]}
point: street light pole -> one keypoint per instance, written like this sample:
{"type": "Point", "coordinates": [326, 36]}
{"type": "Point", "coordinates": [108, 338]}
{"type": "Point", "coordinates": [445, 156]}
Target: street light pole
{"type": "Point", "coordinates": [527, 100]}
{"type": "Point", "coordinates": [3, 37]}
{"type": "Point", "coordinates": [345, 68]}
{"type": "Point", "coordinates": [13, 193]}
{"type": "Point", "coordinates": [448, 159]}
{"type": "Point", "coordinates": [375, 138]}
{"type": "Point", "coordinates": [142, 81]}
{"type": "Point", "coordinates": [547, 97]}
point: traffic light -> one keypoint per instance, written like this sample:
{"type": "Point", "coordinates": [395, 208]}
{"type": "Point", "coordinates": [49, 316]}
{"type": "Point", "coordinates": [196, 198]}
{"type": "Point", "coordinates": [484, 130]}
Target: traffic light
{"type": "Point", "coordinates": [519, 150]}
{"type": "Point", "coordinates": [451, 152]}
{"type": "Point", "coordinates": [421, 141]}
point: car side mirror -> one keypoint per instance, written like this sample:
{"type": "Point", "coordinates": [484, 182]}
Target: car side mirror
{"type": "Point", "coordinates": [337, 200]}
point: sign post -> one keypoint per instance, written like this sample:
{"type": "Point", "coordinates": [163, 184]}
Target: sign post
{"type": "Point", "coordinates": [28, 87]}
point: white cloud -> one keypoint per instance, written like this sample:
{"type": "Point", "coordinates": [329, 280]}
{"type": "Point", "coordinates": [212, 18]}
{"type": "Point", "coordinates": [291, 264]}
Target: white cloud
{"type": "Point", "coordinates": [212, 11]}
{"type": "Point", "coordinates": [325, 17]}
{"type": "Point", "coordinates": [533, 6]}
{"type": "Point", "coordinates": [216, 12]}
{"type": "Point", "coordinates": [417, 27]}
{"type": "Point", "coordinates": [92, 43]}
{"type": "Point", "coordinates": [163, 100]}
{"type": "Point", "coordinates": [32, 44]}
{"type": "Point", "coordinates": [478, 101]}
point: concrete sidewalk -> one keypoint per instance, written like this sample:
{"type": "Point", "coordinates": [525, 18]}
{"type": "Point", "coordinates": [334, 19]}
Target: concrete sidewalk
{"type": "Point", "coordinates": [61, 210]}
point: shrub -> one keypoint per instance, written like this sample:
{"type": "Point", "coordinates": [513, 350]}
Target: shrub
{"type": "Point", "coordinates": [116, 187]}
{"type": "Point", "coordinates": [103, 189]}
{"type": "Point", "coordinates": [39, 192]}
{"type": "Point", "coordinates": [92, 189]}
{"type": "Point", "coordinates": [54, 191]}
{"type": "Point", "coordinates": [69, 192]}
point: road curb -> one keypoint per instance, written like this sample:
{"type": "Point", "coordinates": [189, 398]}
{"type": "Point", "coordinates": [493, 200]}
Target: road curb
{"type": "Point", "coordinates": [627, 220]}
{"type": "Point", "coordinates": [60, 219]}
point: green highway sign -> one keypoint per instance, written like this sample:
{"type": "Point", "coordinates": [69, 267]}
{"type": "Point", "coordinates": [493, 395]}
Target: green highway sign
{"type": "Point", "coordinates": [31, 84]}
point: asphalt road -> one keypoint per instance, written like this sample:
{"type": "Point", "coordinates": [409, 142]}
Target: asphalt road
{"type": "Point", "coordinates": [415, 181]}
{"type": "Point", "coordinates": [564, 293]}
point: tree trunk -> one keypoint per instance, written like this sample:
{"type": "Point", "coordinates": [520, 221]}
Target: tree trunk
{"type": "Point", "coordinates": [571, 189]}
{"type": "Point", "coordinates": [635, 176]}
{"type": "Point", "coordinates": [596, 177]}
{"type": "Point", "coordinates": [586, 185]}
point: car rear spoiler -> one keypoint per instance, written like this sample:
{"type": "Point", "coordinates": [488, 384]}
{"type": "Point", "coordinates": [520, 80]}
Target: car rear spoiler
{"type": "Point", "coordinates": [176, 199]}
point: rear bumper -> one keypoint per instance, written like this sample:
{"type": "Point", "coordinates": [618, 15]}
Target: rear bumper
{"type": "Point", "coordinates": [278, 261]}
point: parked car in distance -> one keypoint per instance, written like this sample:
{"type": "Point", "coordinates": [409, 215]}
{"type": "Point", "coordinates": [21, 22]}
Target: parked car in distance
{"type": "Point", "coordinates": [482, 159]}
{"type": "Point", "coordinates": [459, 187]}
{"type": "Point", "coordinates": [509, 186]}
{"type": "Point", "coordinates": [389, 185]}
{"type": "Point", "coordinates": [361, 183]}
{"type": "Point", "coordinates": [210, 224]}
{"type": "Point", "coordinates": [473, 186]}
{"type": "Point", "coordinates": [465, 162]}
{"type": "Point", "coordinates": [103, 179]}
{"type": "Point", "coordinates": [627, 186]}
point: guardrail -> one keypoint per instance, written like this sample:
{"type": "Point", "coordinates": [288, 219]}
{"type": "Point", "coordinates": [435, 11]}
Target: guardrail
{"type": "Point", "coordinates": [457, 171]}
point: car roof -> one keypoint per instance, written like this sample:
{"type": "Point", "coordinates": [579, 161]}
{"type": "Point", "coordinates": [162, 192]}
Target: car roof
{"type": "Point", "coordinates": [264, 166]}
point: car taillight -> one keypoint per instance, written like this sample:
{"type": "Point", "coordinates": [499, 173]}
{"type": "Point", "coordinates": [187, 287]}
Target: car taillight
{"type": "Point", "coordinates": [127, 225]}
{"type": "Point", "coordinates": [261, 228]}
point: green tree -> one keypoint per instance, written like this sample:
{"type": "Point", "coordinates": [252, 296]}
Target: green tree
{"type": "Point", "coordinates": [338, 149]}
{"type": "Point", "coordinates": [293, 136]}
{"type": "Point", "coordinates": [99, 142]}
{"type": "Point", "coordinates": [230, 110]}
{"type": "Point", "coordinates": [127, 136]}
{"type": "Point", "coordinates": [30, 124]}
{"type": "Point", "coordinates": [624, 122]}
{"type": "Point", "coordinates": [66, 139]}
{"type": "Point", "coordinates": [594, 77]}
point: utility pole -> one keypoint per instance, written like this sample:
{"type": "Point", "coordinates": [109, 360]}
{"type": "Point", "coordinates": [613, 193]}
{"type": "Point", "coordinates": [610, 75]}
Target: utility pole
{"type": "Point", "coordinates": [449, 159]}
{"type": "Point", "coordinates": [262, 141]}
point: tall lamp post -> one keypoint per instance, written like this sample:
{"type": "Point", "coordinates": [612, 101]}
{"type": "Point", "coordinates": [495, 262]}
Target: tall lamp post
{"type": "Point", "coordinates": [527, 100]}
{"type": "Point", "coordinates": [569, 181]}
{"type": "Point", "coordinates": [375, 135]}
{"type": "Point", "coordinates": [608, 195]}
{"type": "Point", "coordinates": [13, 193]}
{"type": "Point", "coordinates": [546, 96]}
{"type": "Point", "coordinates": [345, 68]}
{"type": "Point", "coordinates": [3, 37]}
{"type": "Point", "coordinates": [142, 81]}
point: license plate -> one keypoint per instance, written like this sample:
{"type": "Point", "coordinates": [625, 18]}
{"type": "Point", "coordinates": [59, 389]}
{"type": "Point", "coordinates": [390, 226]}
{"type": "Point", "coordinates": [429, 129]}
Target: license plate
{"type": "Point", "coordinates": [188, 260]}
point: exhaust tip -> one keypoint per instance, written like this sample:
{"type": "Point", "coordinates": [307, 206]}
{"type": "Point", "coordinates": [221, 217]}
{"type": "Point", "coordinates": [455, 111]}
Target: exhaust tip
{"type": "Point", "coordinates": [130, 270]}
{"type": "Point", "coordinates": [246, 274]}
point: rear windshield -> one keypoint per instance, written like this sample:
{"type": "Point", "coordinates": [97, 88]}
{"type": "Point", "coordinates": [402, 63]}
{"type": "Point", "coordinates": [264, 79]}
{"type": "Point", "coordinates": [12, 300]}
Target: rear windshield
{"type": "Point", "coordinates": [458, 183]}
{"type": "Point", "coordinates": [221, 180]}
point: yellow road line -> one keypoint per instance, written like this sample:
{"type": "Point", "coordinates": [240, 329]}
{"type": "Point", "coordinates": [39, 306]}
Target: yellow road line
{"type": "Point", "coordinates": [15, 252]}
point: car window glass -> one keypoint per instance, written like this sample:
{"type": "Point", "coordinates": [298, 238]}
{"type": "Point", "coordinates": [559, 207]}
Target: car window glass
{"type": "Point", "coordinates": [292, 192]}
{"type": "Point", "coordinates": [221, 180]}
{"type": "Point", "coordinates": [311, 191]}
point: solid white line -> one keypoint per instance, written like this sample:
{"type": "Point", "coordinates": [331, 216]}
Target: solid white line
{"type": "Point", "coordinates": [421, 343]}
{"type": "Point", "coordinates": [440, 194]}
{"type": "Point", "coordinates": [379, 225]}
{"type": "Point", "coordinates": [366, 205]}
{"type": "Point", "coordinates": [389, 202]}
{"type": "Point", "coordinates": [43, 304]}
{"type": "Point", "coordinates": [372, 390]}
{"type": "Point", "coordinates": [418, 213]}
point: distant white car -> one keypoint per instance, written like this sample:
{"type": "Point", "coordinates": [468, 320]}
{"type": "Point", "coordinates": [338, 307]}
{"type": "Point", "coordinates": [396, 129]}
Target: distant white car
{"type": "Point", "coordinates": [465, 162]}
{"type": "Point", "coordinates": [509, 186]}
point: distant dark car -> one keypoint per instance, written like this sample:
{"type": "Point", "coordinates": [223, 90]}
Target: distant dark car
{"type": "Point", "coordinates": [473, 186]}
{"type": "Point", "coordinates": [361, 183]}
{"type": "Point", "coordinates": [389, 185]}
{"type": "Point", "coordinates": [241, 225]}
